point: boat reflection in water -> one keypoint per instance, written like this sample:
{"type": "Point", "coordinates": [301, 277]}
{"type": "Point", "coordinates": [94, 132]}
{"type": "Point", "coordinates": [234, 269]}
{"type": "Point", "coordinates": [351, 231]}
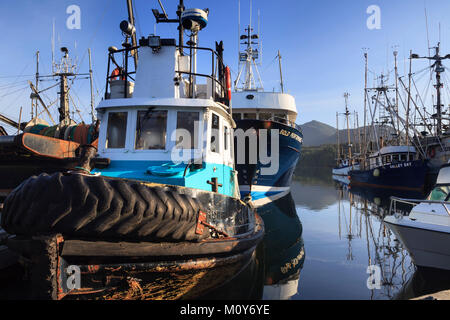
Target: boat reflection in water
{"type": "Point", "coordinates": [400, 278]}
{"type": "Point", "coordinates": [284, 249]}
{"type": "Point", "coordinates": [362, 219]}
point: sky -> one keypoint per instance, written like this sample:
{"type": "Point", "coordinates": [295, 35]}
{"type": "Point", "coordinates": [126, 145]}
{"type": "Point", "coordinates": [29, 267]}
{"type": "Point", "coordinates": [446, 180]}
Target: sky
{"type": "Point", "coordinates": [321, 44]}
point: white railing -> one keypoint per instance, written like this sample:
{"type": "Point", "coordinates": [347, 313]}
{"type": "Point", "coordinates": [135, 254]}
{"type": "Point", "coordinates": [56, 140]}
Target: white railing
{"type": "Point", "coordinates": [413, 202]}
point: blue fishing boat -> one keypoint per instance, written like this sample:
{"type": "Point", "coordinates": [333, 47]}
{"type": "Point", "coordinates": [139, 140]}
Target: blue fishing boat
{"type": "Point", "coordinates": [393, 167]}
{"type": "Point", "coordinates": [167, 199]}
{"type": "Point", "coordinates": [268, 141]}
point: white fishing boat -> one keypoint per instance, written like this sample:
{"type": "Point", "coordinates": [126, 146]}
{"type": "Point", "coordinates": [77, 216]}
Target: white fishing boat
{"type": "Point", "coordinates": [425, 232]}
{"type": "Point", "coordinates": [345, 162]}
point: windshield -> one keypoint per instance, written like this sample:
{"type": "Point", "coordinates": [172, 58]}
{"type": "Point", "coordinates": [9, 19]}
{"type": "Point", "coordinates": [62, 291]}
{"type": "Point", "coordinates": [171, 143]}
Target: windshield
{"type": "Point", "coordinates": [440, 193]}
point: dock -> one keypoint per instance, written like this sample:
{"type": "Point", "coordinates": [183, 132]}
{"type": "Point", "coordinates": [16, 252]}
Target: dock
{"type": "Point", "coordinates": [441, 295]}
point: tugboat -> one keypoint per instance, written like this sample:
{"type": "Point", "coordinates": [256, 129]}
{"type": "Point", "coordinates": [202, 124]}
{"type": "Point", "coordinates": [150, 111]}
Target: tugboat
{"type": "Point", "coordinates": [268, 141]}
{"type": "Point", "coordinates": [166, 201]}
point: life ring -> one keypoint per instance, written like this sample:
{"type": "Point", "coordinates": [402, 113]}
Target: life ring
{"type": "Point", "coordinates": [228, 82]}
{"type": "Point", "coordinates": [432, 153]}
{"type": "Point", "coordinates": [116, 73]}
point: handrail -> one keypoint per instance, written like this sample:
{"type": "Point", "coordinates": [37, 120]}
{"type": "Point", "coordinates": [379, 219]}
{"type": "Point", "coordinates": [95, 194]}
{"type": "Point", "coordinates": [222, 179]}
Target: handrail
{"type": "Point", "coordinates": [213, 76]}
{"type": "Point", "coordinates": [413, 202]}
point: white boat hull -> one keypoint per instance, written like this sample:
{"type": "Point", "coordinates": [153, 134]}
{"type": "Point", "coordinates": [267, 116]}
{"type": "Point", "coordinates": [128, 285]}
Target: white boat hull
{"type": "Point", "coordinates": [427, 244]}
{"type": "Point", "coordinates": [343, 171]}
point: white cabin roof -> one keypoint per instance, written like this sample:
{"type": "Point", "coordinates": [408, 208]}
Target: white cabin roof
{"type": "Point", "coordinates": [166, 102]}
{"type": "Point", "coordinates": [264, 101]}
{"type": "Point", "coordinates": [395, 149]}
{"type": "Point", "coordinates": [444, 175]}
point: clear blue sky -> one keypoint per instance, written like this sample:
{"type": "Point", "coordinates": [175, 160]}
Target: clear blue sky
{"type": "Point", "coordinates": [320, 41]}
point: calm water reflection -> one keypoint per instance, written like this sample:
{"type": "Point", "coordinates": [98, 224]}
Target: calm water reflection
{"type": "Point", "coordinates": [320, 241]}
{"type": "Point", "coordinates": [343, 234]}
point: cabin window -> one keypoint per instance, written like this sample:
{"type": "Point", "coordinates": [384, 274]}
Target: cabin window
{"type": "Point", "coordinates": [249, 115]}
{"type": "Point", "coordinates": [151, 130]}
{"type": "Point", "coordinates": [215, 133]}
{"type": "Point", "coordinates": [281, 118]}
{"type": "Point", "coordinates": [117, 130]}
{"type": "Point", "coordinates": [265, 116]}
{"type": "Point", "coordinates": [187, 130]}
{"type": "Point", "coordinates": [395, 158]}
{"type": "Point", "coordinates": [237, 116]}
{"type": "Point", "coordinates": [403, 157]}
{"type": "Point", "coordinates": [225, 138]}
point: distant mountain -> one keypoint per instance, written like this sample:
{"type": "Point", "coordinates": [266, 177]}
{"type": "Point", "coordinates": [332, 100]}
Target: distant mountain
{"type": "Point", "coordinates": [316, 133]}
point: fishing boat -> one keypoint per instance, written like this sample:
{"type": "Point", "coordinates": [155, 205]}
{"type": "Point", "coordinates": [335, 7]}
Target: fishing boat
{"type": "Point", "coordinates": [425, 231]}
{"type": "Point", "coordinates": [167, 200]}
{"type": "Point", "coordinates": [46, 146]}
{"type": "Point", "coordinates": [391, 159]}
{"type": "Point", "coordinates": [268, 141]}
{"type": "Point", "coordinates": [348, 162]}
{"type": "Point", "coordinates": [393, 167]}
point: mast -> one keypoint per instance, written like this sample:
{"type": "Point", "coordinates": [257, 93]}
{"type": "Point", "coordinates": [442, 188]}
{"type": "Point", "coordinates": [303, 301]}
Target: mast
{"type": "Point", "coordinates": [397, 95]}
{"type": "Point", "coordinates": [34, 102]}
{"type": "Point", "coordinates": [438, 91]}
{"type": "Point", "coordinates": [247, 59]}
{"type": "Point", "coordinates": [409, 100]}
{"type": "Point", "coordinates": [133, 36]}
{"type": "Point", "coordinates": [337, 135]}
{"type": "Point", "coordinates": [92, 87]}
{"type": "Point", "coordinates": [438, 69]}
{"type": "Point", "coordinates": [64, 114]}
{"type": "Point", "coordinates": [347, 113]}
{"type": "Point", "coordinates": [163, 18]}
{"type": "Point", "coordinates": [365, 109]}
{"type": "Point", "coordinates": [281, 72]}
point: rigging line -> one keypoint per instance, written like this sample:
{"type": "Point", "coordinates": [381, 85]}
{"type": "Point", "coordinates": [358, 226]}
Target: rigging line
{"type": "Point", "coordinates": [447, 89]}
{"type": "Point", "coordinates": [12, 92]}
{"type": "Point", "coordinates": [14, 100]}
{"type": "Point", "coordinates": [76, 109]}
{"type": "Point", "coordinates": [17, 76]}
{"type": "Point", "coordinates": [418, 93]}
{"type": "Point", "coordinates": [420, 71]}
{"type": "Point", "coordinates": [6, 87]}
{"type": "Point", "coordinates": [90, 42]}
{"type": "Point", "coordinates": [83, 105]}
{"type": "Point", "coordinates": [57, 84]}
{"type": "Point", "coordinates": [137, 19]}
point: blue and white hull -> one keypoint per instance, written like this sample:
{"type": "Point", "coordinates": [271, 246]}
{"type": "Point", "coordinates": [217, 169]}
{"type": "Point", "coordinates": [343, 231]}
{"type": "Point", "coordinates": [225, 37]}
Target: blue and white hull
{"type": "Point", "coordinates": [263, 188]}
